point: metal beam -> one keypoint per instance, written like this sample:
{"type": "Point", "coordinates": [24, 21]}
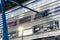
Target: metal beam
{"type": "Point", "coordinates": [23, 6]}
{"type": "Point", "coordinates": [5, 29]}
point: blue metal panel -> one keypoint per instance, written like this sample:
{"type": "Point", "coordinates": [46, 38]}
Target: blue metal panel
{"type": "Point", "coordinates": [5, 29]}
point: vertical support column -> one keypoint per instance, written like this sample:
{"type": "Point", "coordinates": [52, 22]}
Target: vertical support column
{"type": "Point", "coordinates": [17, 26]}
{"type": "Point", "coordinates": [22, 35]}
{"type": "Point", "coordinates": [5, 29]}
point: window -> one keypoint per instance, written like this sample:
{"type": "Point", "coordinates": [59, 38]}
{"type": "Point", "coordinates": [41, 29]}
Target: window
{"type": "Point", "coordinates": [13, 34]}
{"type": "Point", "coordinates": [25, 32]}
{"type": "Point", "coordinates": [57, 7]}
{"type": "Point", "coordinates": [14, 23]}
{"type": "Point", "coordinates": [56, 24]}
{"type": "Point", "coordinates": [25, 19]}
{"type": "Point", "coordinates": [28, 32]}
{"type": "Point", "coordinates": [58, 10]}
{"type": "Point", "coordinates": [46, 27]}
{"type": "Point", "coordinates": [50, 25]}
{"type": "Point", "coordinates": [36, 28]}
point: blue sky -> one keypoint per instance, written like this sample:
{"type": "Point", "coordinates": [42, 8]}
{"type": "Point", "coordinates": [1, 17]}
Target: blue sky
{"type": "Point", "coordinates": [0, 1]}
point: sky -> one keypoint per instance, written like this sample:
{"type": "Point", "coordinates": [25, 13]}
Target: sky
{"type": "Point", "coordinates": [0, 1]}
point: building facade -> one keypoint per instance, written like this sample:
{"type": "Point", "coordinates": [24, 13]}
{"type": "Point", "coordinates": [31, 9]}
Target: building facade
{"type": "Point", "coordinates": [44, 25]}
